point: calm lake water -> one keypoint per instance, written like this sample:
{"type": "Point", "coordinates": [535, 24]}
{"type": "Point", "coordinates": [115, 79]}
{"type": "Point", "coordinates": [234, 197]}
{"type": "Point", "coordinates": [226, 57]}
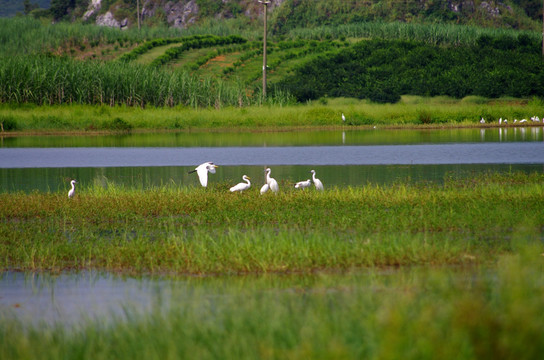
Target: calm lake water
{"type": "Point", "coordinates": [341, 158]}
{"type": "Point", "coordinates": [72, 299]}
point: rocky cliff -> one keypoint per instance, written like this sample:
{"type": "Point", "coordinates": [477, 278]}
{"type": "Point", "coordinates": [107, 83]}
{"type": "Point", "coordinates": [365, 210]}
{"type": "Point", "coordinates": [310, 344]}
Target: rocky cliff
{"type": "Point", "coordinates": [179, 14]}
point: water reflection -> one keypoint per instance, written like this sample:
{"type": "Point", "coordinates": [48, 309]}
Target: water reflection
{"type": "Point", "coordinates": [58, 179]}
{"type": "Point", "coordinates": [293, 138]}
{"type": "Point", "coordinates": [463, 153]}
{"type": "Point", "coordinates": [341, 157]}
{"type": "Point", "coordinates": [71, 299]}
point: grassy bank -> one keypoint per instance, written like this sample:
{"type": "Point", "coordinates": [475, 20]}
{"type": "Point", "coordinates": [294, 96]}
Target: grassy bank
{"type": "Point", "coordinates": [199, 231]}
{"type": "Point", "coordinates": [411, 111]}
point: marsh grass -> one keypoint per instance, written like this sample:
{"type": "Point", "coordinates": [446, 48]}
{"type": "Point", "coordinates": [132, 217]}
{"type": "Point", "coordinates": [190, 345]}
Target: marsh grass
{"type": "Point", "coordinates": [211, 231]}
{"type": "Point", "coordinates": [418, 313]}
{"type": "Point", "coordinates": [411, 111]}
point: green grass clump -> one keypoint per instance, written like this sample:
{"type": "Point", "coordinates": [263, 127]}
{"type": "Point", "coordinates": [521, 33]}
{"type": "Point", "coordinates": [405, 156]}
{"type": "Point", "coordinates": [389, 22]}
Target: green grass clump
{"type": "Point", "coordinates": [211, 231]}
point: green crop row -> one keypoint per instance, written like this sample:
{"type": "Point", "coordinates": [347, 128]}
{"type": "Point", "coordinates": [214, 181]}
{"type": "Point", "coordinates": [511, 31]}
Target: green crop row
{"type": "Point", "coordinates": [148, 45]}
{"type": "Point", "coordinates": [196, 43]}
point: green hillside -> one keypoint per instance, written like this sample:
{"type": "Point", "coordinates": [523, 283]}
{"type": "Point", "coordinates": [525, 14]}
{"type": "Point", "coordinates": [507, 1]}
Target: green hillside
{"type": "Point", "coordinates": [219, 63]}
{"type": "Point", "coordinates": [286, 15]}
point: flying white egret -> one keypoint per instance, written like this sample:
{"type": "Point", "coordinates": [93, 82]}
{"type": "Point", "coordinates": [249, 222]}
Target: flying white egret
{"type": "Point", "coordinates": [318, 184]}
{"type": "Point", "coordinates": [73, 189]}
{"type": "Point", "coordinates": [303, 184]}
{"type": "Point", "coordinates": [271, 182]}
{"type": "Point", "coordinates": [242, 186]}
{"type": "Point", "coordinates": [202, 170]}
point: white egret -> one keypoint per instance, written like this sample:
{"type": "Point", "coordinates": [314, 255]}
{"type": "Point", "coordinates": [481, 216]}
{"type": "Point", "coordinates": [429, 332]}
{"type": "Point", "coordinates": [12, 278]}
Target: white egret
{"type": "Point", "coordinates": [523, 120]}
{"type": "Point", "coordinates": [271, 182]}
{"type": "Point", "coordinates": [303, 184]}
{"type": "Point", "coordinates": [73, 189]}
{"type": "Point", "coordinates": [318, 184]}
{"type": "Point", "coordinates": [482, 121]}
{"type": "Point", "coordinates": [242, 186]}
{"type": "Point", "coordinates": [264, 188]}
{"type": "Point", "coordinates": [343, 118]}
{"type": "Point", "coordinates": [500, 120]}
{"type": "Point", "coordinates": [202, 170]}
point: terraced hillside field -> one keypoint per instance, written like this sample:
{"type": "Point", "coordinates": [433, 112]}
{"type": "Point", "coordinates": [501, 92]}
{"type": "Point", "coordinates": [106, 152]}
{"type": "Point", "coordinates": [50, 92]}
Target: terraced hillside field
{"type": "Point", "coordinates": [239, 62]}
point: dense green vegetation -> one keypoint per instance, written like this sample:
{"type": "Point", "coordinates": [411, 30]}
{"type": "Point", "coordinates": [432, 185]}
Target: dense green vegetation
{"type": "Point", "coordinates": [295, 14]}
{"type": "Point", "coordinates": [209, 231]}
{"type": "Point", "coordinates": [382, 70]}
{"type": "Point", "coordinates": [410, 111]}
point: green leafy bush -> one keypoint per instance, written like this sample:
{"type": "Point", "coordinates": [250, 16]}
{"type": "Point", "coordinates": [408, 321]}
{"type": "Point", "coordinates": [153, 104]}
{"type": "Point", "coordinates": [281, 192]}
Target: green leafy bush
{"type": "Point", "coordinates": [7, 123]}
{"type": "Point", "coordinates": [382, 70]}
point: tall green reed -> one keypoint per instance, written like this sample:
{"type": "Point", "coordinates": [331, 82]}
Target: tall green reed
{"type": "Point", "coordinates": [46, 81]}
{"type": "Point", "coordinates": [430, 33]}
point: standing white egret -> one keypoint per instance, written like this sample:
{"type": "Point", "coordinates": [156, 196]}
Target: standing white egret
{"type": "Point", "coordinates": [73, 189]}
{"type": "Point", "coordinates": [202, 171]}
{"type": "Point", "coordinates": [343, 118]}
{"type": "Point", "coordinates": [303, 184]}
{"type": "Point", "coordinates": [264, 188]}
{"type": "Point", "coordinates": [271, 182]}
{"type": "Point", "coordinates": [482, 121]}
{"type": "Point", "coordinates": [242, 186]}
{"type": "Point", "coordinates": [318, 184]}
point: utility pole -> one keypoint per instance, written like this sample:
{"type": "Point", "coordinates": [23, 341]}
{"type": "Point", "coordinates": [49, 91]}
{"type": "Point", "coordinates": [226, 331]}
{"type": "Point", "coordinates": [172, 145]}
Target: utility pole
{"type": "Point", "coordinates": [265, 3]}
{"type": "Point", "coordinates": [138, 12]}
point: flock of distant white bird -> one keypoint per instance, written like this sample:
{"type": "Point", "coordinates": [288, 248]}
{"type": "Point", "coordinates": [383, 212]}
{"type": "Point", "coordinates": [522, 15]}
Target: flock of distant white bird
{"type": "Point", "coordinates": [505, 121]}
